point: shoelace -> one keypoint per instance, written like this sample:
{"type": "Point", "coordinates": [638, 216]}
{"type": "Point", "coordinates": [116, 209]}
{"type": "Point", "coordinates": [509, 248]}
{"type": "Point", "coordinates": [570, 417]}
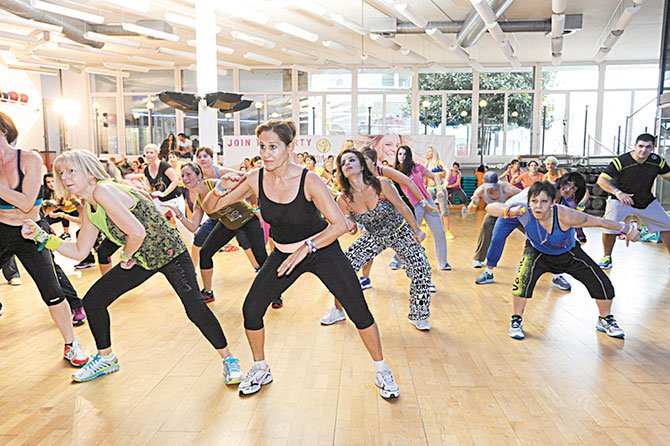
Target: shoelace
{"type": "Point", "coordinates": [387, 376]}
{"type": "Point", "coordinates": [516, 323]}
{"type": "Point", "coordinates": [233, 365]}
{"type": "Point", "coordinates": [611, 321]}
{"type": "Point", "coordinates": [95, 364]}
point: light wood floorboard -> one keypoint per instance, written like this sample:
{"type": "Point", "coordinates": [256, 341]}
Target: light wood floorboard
{"type": "Point", "coordinates": [463, 383]}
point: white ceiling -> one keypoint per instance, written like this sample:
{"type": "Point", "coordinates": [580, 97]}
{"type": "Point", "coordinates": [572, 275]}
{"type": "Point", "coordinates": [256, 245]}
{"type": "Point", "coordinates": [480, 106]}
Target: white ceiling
{"type": "Point", "coordinates": [640, 41]}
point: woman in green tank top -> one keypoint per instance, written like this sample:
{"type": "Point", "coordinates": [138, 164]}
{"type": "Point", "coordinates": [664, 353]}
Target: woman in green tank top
{"type": "Point", "coordinates": [149, 245]}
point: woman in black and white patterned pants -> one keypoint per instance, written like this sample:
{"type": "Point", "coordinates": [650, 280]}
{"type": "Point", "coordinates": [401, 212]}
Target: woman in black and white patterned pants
{"type": "Point", "coordinates": [388, 223]}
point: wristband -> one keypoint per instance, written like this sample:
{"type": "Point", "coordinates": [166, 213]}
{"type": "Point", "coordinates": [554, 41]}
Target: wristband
{"type": "Point", "coordinates": [124, 258]}
{"type": "Point", "coordinates": [581, 206]}
{"type": "Point", "coordinates": [179, 215]}
{"type": "Point", "coordinates": [423, 203]}
{"type": "Point", "coordinates": [625, 229]}
{"type": "Point", "coordinates": [52, 243]}
{"type": "Point", "coordinates": [311, 246]}
{"type": "Point", "coordinates": [219, 191]}
{"type": "Point", "coordinates": [42, 245]}
{"type": "Point", "coordinates": [255, 209]}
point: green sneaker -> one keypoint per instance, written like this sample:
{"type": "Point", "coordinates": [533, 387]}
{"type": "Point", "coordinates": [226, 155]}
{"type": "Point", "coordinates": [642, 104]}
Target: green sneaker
{"type": "Point", "coordinates": [605, 262]}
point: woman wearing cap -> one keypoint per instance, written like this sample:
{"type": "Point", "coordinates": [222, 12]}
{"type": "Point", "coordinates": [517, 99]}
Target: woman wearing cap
{"type": "Point", "coordinates": [491, 191]}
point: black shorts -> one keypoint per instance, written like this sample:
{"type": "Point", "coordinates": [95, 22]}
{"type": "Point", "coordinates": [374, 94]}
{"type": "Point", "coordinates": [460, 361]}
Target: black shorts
{"type": "Point", "coordinates": [574, 262]}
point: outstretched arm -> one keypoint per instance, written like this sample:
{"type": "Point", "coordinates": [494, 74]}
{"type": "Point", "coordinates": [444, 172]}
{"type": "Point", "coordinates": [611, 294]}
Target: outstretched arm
{"type": "Point", "coordinates": [576, 219]}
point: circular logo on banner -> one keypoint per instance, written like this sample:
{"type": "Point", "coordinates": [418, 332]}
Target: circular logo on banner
{"type": "Point", "coordinates": [323, 145]}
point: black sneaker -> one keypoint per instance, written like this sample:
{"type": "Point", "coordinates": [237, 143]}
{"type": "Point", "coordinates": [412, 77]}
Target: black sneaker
{"type": "Point", "coordinates": [1, 310]}
{"type": "Point", "coordinates": [65, 236]}
{"type": "Point", "coordinates": [277, 303]}
{"type": "Point", "coordinates": [85, 264]}
{"type": "Point", "coordinates": [207, 296]}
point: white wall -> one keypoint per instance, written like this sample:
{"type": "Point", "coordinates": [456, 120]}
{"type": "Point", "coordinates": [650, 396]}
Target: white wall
{"type": "Point", "coordinates": [27, 117]}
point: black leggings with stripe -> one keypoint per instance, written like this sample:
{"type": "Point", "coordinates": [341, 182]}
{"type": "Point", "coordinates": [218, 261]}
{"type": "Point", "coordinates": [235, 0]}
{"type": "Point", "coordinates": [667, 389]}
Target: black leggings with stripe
{"type": "Point", "coordinates": [574, 262]}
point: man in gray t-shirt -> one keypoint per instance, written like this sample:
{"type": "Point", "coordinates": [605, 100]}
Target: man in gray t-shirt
{"type": "Point", "coordinates": [184, 147]}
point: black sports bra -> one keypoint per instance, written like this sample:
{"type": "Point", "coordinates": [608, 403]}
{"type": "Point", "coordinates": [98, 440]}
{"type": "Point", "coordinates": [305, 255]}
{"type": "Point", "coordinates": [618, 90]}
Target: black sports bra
{"type": "Point", "coordinates": [4, 204]}
{"type": "Point", "coordinates": [290, 222]}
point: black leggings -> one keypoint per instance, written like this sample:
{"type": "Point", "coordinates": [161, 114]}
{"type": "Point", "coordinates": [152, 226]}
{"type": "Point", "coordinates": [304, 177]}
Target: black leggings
{"type": "Point", "coordinates": [181, 275]}
{"type": "Point", "coordinates": [221, 235]}
{"type": "Point", "coordinates": [329, 264]}
{"type": "Point", "coordinates": [39, 265]}
{"type": "Point", "coordinates": [105, 250]}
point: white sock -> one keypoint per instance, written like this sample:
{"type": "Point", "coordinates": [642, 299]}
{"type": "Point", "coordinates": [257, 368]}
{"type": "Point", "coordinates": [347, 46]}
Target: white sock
{"type": "Point", "coordinates": [489, 270]}
{"type": "Point", "coordinates": [261, 363]}
{"type": "Point", "coordinates": [380, 366]}
{"type": "Point", "coordinates": [109, 357]}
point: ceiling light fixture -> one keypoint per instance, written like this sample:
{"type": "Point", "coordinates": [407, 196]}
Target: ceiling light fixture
{"type": "Point", "coordinates": [175, 53]}
{"type": "Point", "coordinates": [164, 63]}
{"type": "Point", "coordinates": [143, 30]}
{"type": "Point", "coordinates": [57, 58]}
{"type": "Point", "coordinates": [261, 58]}
{"type": "Point", "coordinates": [32, 70]}
{"type": "Point", "coordinates": [293, 52]}
{"type": "Point", "coordinates": [74, 13]}
{"type": "Point", "coordinates": [20, 37]}
{"type": "Point", "coordinates": [388, 43]}
{"type": "Point", "coordinates": [353, 26]}
{"type": "Point", "coordinates": [410, 14]}
{"type": "Point", "coordinates": [333, 45]}
{"type": "Point", "coordinates": [413, 55]}
{"type": "Point", "coordinates": [297, 31]}
{"type": "Point", "coordinates": [369, 59]}
{"type": "Point", "coordinates": [440, 37]}
{"type": "Point", "coordinates": [97, 37]}
{"type": "Point", "coordinates": [123, 66]}
{"type": "Point", "coordinates": [244, 13]}
{"type": "Point", "coordinates": [485, 11]}
{"type": "Point", "coordinates": [85, 49]}
{"type": "Point", "coordinates": [249, 38]}
{"type": "Point", "coordinates": [219, 48]}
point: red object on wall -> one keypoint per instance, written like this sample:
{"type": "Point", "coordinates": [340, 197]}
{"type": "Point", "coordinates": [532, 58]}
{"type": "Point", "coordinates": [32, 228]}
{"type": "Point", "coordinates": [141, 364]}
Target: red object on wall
{"type": "Point", "coordinates": [13, 96]}
{"type": "Point", "coordinates": [23, 98]}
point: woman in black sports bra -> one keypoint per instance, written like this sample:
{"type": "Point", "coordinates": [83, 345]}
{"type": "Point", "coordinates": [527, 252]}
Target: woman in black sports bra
{"type": "Point", "coordinates": [20, 182]}
{"type": "Point", "coordinates": [292, 201]}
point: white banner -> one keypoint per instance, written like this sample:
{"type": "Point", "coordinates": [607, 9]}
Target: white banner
{"type": "Point", "coordinates": [237, 148]}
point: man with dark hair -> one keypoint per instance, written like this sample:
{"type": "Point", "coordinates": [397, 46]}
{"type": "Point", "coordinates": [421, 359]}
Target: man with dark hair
{"type": "Point", "coordinates": [184, 147]}
{"type": "Point", "coordinates": [551, 247]}
{"type": "Point", "coordinates": [629, 179]}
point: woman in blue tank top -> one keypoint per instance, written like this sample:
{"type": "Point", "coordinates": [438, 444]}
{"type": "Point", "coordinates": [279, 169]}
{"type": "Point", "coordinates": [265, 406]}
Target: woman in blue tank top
{"type": "Point", "coordinates": [292, 200]}
{"type": "Point", "coordinates": [551, 247]}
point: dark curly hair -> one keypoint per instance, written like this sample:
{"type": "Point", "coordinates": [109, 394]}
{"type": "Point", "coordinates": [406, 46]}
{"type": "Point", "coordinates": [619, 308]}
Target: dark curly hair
{"type": "Point", "coordinates": [368, 177]}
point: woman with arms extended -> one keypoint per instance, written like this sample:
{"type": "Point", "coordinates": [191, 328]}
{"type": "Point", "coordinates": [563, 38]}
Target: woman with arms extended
{"type": "Point", "coordinates": [292, 201]}
{"type": "Point", "coordinates": [150, 245]}
{"type": "Point", "coordinates": [388, 222]}
{"type": "Point", "coordinates": [20, 181]}
{"type": "Point", "coordinates": [552, 247]}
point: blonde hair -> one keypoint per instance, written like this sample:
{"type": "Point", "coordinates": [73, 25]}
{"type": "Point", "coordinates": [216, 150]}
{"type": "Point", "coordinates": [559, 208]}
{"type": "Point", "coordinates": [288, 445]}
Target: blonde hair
{"type": "Point", "coordinates": [152, 146]}
{"type": "Point", "coordinates": [348, 144]}
{"type": "Point", "coordinates": [80, 161]}
{"type": "Point", "coordinates": [551, 160]}
{"type": "Point", "coordinates": [435, 160]}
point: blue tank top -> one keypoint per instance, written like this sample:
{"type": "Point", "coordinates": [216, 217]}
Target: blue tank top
{"type": "Point", "coordinates": [555, 243]}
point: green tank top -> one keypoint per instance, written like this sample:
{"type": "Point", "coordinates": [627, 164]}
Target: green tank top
{"type": "Point", "coordinates": [162, 243]}
{"type": "Point", "coordinates": [232, 217]}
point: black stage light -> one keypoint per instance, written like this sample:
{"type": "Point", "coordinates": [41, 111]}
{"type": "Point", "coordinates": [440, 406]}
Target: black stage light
{"type": "Point", "coordinates": [182, 101]}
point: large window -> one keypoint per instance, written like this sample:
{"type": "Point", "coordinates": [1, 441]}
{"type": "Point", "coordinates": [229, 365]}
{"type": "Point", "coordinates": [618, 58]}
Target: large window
{"type": "Point", "coordinates": [330, 80]}
{"type": "Point", "coordinates": [265, 80]}
{"type": "Point", "coordinates": [338, 114]}
{"type": "Point", "coordinates": [491, 123]}
{"type": "Point", "coordinates": [311, 115]}
{"type": "Point", "coordinates": [430, 114]}
{"type": "Point", "coordinates": [457, 80]}
{"type": "Point", "coordinates": [144, 126]}
{"type": "Point", "coordinates": [101, 83]}
{"type": "Point", "coordinates": [379, 79]}
{"type": "Point", "coordinates": [458, 120]}
{"type": "Point", "coordinates": [370, 114]}
{"type": "Point", "coordinates": [190, 83]}
{"type": "Point", "coordinates": [153, 82]}
{"type": "Point", "coordinates": [105, 126]}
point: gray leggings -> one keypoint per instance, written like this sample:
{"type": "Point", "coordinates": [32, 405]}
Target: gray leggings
{"type": "Point", "coordinates": [435, 224]}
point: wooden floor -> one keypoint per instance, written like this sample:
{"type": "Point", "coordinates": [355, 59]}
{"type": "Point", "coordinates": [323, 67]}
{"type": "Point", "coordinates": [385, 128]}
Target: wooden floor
{"type": "Point", "coordinates": [464, 382]}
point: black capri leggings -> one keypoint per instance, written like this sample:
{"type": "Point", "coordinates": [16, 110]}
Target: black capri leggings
{"type": "Point", "coordinates": [574, 262]}
{"type": "Point", "coordinates": [40, 265]}
{"type": "Point", "coordinates": [221, 235]}
{"type": "Point", "coordinates": [105, 251]}
{"type": "Point", "coordinates": [181, 275]}
{"type": "Point", "coordinates": [328, 264]}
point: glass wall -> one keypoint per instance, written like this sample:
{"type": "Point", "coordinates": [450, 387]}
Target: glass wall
{"type": "Point", "coordinates": [105, 125]}
{"type": "Point", "coordinates": [311, 115]}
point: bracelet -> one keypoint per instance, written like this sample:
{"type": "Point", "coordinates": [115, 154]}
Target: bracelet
{"type": "Point", "coordinates": [625, 229]}
{"type": "Point", "coordinates": [219, 191]}
{"type": "Point", "coordinates": [179, 215]}
{"type": "Point", "coordinates": [255, 209]}
{"type": "Point", "coordinates": [42, 245]}
{"type": "Point", "coordinates": [39, 234]}
{"type": "Point", "coordinates": [52, 243]}
{"type": "Point", "coordinates": [124, 258]}
{"type": "Point", "coordinates": [311, 246]}
{"type": "Point", "coordinates": [581, 206]}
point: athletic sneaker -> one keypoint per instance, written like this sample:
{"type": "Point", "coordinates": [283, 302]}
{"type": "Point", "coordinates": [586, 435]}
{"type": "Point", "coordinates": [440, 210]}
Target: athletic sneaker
{"type": "Point", "coordinates": [85, 264]}
{"type": "Point", "coordinates": [516, 328]}
{"type": "Point", "coordinates": [608, 325]}
{"type": "Point", "coordinates": [365, 282]}
{"type": "Point", "coordinates": [65, 236]}
{"type": "Point", "coordinates": [477, 264]}
{"type": "Point", "coordinates": [432, 288]}
{"type": "Point", "coordinates": [605, 262]}
{"type": "Point", "coordinates": [484, 278]}
{"type": "Point", "coordinates": [332, 316]}
{"type": "Point", "coordinates": [78, 316]}
{"type": "Point", "coordinates": [561, 283]}
{"type": "Point", "coordinates": [15, 281]}
{"type": "Point", "coordinates": [74, 354]}
{"type": "Point", "coordinates": [96, 367]}
{"type": "Point", "coordinates": [257, 377]}
{"type": "Point", "coordinates": [387, 385]}
{"type": "Point", "coordinates": [207, 296]}
{"type": "Point", "coordinates": [277, 303]}
{"type": "Point", "coordinates": [446, 267]}
{"type": "Point", "coordinates": [449, 235]}
{"type": "Point", "coordinates": [231, 370]}
{"type": "Point", "coordinates": [395, 264]}
{"type": "Point", "coordinates": [422, 325]}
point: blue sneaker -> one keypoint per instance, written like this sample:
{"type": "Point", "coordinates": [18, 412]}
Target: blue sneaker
{"type": "Point", "coordinates": [97, 366]}
{"type": "Point", "coordinates": [484, 278]}
{"type": "Point", "coordinates": [605, 262]}
{"type": "Point", "coordinates": [231, 370]}
{"type": "Point", "coordinates": [365, 282]}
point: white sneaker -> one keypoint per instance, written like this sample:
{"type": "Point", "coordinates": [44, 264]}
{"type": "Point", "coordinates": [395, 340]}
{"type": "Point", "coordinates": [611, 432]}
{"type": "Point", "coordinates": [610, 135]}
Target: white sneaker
{"type": "Point", "coordinates": [387, 385]}
{"type": "Point", "coordinates": [422, 325]}
{"type": "Point", "coordinates": [231, 370]}
{"type": "Point", "coordinates": [432, 288]}
{"type": "Point", "coordinates": [477, 264]}
{"type": "Point", "coordinates": [332, 316]}
{"type": "Point", "coordinates": [75, 354]}
{"type": "Point", "coordinates": [257, 377]}
{"type": "Point", "coordinates": [608, 325]}
{"type": "Point", "coordinates": [96, 367]}
{"type": "Point", "coordinates": [516, 328]}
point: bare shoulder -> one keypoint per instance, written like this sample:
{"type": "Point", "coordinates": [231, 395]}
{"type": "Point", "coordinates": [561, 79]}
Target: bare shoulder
{"type": "Point", "coordinates": [386, 182]}
{"type": "Point", "coordinates": [30, 158]}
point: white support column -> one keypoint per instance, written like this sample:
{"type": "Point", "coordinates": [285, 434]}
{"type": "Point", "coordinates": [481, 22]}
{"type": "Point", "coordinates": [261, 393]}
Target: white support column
{"type": "Point", "coordinates": [354, 101]}
{"type": "Point", "coordinates": [537, 110]}
{"type": "Point", "coordinates": [599, 111]}
{"type": "Point", "coordinates": [474, 114]}
{"type": "Point", "coordinates": [205, 51]}
{"type": "Point", "coordinates": [416, 108]}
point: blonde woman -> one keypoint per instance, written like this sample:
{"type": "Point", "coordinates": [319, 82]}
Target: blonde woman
{"type": "Point", "coordinates": [437, 167]}
{"type": "Point", "coordinates": [149, 245]}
